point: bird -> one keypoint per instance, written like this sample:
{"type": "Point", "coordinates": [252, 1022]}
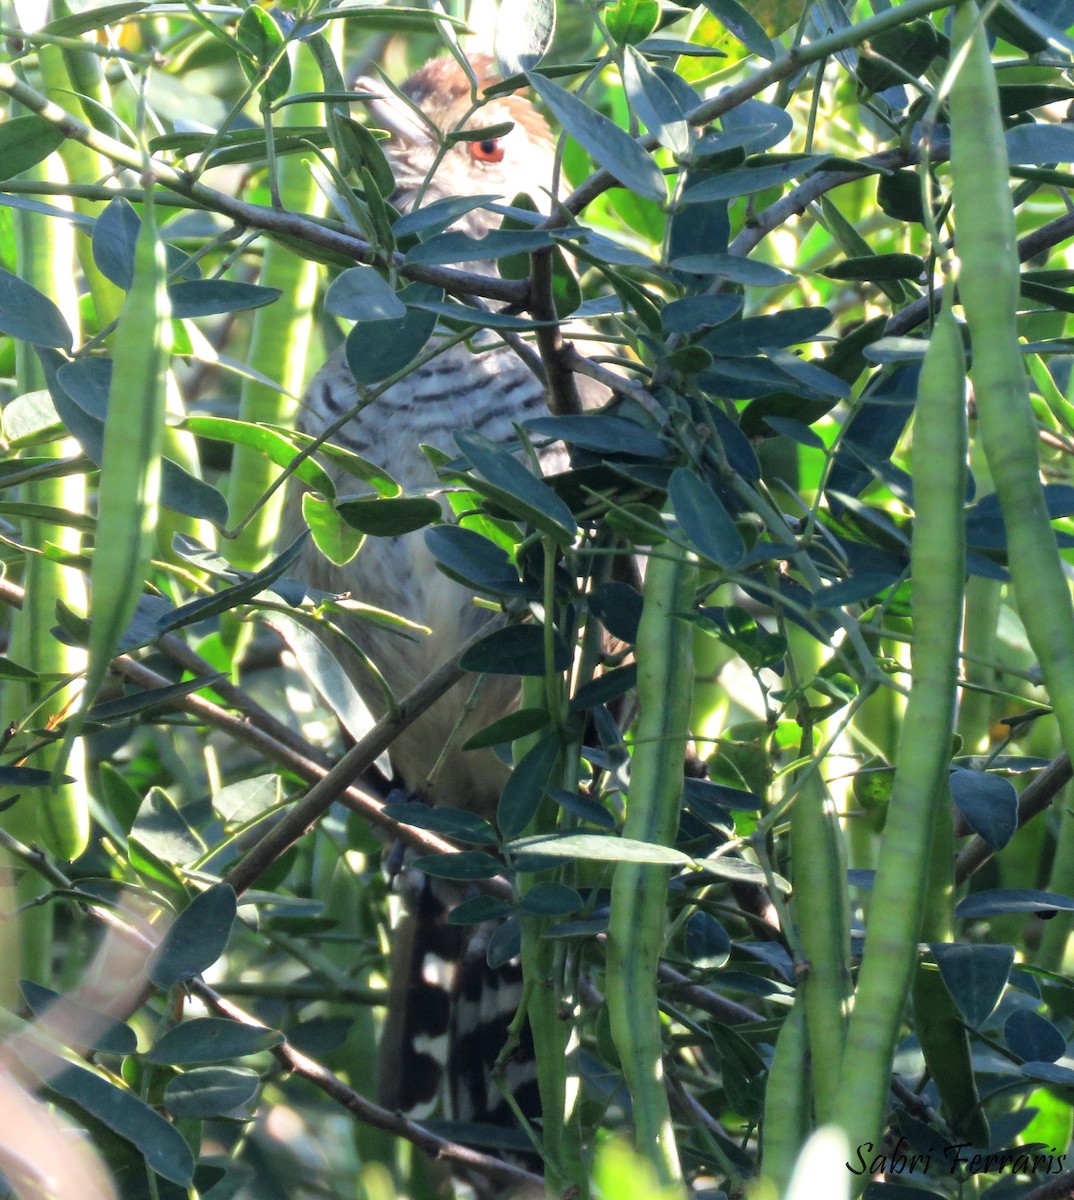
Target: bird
{"type": "Point", "coordinates": [489, 390]}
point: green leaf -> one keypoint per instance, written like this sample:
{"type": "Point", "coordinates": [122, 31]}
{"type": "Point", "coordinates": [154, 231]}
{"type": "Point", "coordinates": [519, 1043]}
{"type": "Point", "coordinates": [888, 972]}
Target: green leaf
{"type": "Point", "coordinates": [99, 15]}
{"type": "Point", "coordinates": [454, 823]}
{"type": "Point", "coordinates": [603, 435]}
{"type": "Point", "coordinates": [653, 101]}
{"type": "Point", "coordinates": [512, 485]}
{"type": "Point", "coordinates": [704, 520]}
{"type": "Point", "coordinates": [208, 297]}
{"type": "Point", "coordinates": [360, 294]}
{"type": "Point", "coordinates": [551, 899]}
{"type": "Point", "coordinates": [738, 22]}
{"type": "Point", "coordinates": [975, 976]}
{"type": "Point", "coordinates": [260, 37]}
{"type": "Point", "coordinates": [161, 1144]}
{"type": "Point", "coordinates": [115, 233]}
{"type": "Point", "coordinates": [596, 847]}
{"type": "Point", "coordinates": [613, 148]}
{"type": "Point", "coordinates": [196, 938]}
{"type": "Point", "coordinates": [210, 1092]}
{"type": "Point", "coordinates": [389, 517]}
{"type": "Point", "coordinates": [631, 21]}
{"type": "Point", "coordinates": [464, 555]}
{"type": "Point", "coordinates": [336, 540]}
{"type": "Point", "coordinates": [75, 1024]}
{"type": "Point", "coordinates": [876, 267]}
{"type": "Point", "coordinates": [29, 316]}
{"type": "Point", "coordinates": [377, 349]}
{"type": "Point", "coordinates": [521, 795]}
{"type": "Point", "coordinates": [228, 598]}
{"type": "Point", "coordinates": [164, 831]}
{"type": "Point", "coordinates": [210, 1039]}
{"type": "Point", "coordinates": [270, 442]}
{"type": "Point", "coordinates": [728, 185]}
{"type": "Point", "coordinates": [467, 865]}
{"type": "Point", "coordinates": [24, 142]}
{"type": "Point", "coordinates": [524, 31]}
{"type": "Point", "coordinates": [518, 724]}
{"type": "Point", "coordinates": [515, 650]}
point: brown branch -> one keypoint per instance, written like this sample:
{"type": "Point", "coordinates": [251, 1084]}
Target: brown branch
{"type": "Point", "coordinates": [1035, 797]}
{"type": "Point", "coordinates": [251, 216]}
{"type": "Point", "coordinates": [493, 1169]}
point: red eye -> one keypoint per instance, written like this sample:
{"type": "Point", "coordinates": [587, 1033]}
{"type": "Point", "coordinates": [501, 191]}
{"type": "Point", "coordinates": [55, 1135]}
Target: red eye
{"type": "Point", "coordinates": [488, 151]}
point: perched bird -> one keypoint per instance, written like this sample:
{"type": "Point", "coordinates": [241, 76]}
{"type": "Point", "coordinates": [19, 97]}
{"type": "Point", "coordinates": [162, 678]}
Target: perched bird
{"type": "Point", "coordinates": [488, 390]}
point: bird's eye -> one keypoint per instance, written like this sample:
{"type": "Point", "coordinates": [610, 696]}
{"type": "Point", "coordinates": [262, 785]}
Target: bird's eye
{"type": "Point", "coordinates": [488, 151]}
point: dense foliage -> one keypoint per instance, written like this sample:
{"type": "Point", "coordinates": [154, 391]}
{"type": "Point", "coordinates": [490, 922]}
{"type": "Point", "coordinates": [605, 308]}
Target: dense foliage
{"type": "Point", "coordinates": [828, 568]}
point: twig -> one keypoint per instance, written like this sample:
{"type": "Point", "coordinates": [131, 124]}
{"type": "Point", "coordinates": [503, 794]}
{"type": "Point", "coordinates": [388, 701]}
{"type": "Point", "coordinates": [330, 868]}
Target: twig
{"type": "Point", "coordinates": [1036, 796]}
{"type": "Point", "coordinates": [366, 1111]}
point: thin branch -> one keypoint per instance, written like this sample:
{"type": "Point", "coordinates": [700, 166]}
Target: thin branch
{"type": "Point", "coordinates": [366, 1111]}
{"type": "Point", "coordinates": [1035, 797]}
{"type": "Point", "coordinates": [252, 216]}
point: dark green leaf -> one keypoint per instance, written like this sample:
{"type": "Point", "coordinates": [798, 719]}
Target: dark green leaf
{"type": "Point", "coordinates": [458, 247]}
{"type": "Point", "coordinates": [521, 795]}
{"type": "Point", "coordinates": [465, 555]}
{"type": "Point", "coordinates": [161, 1144]}
{"type": "Point", "coordinates": [791, 327]}
{"type": "Point", "coordinates": [706, 942]}
{"type": "Point", "coordinates": [873, 267]}
{"type": "Point", "coordinates": [29, 316]}
{"type": "Point", "coordinates": [695, 312]}
{"type": "Point", "coordinates": [360, 294]}
{"type": "Point", "coordinates": [504, 945]}
{"type": "Point", "coordinates": [24, 142]}
{"type": "Point", "coordinates": [613, 148]}
{"type": "Point", "coordinates": [704, 520]}
{"type": "Point", "coordinates": [518, 724]}
{"type": "Point", "coordinates": [114, 235]}
{"type": "Point", "coordinates": [228, 598]}
{"type": "Point", "coordinates": [728, 185]}
{"type": "Point", "coordinates": [209, 1040]}
{"type": "Point", "coordinates": [515, 650]}
{"type": "Point", "coordinates": [1033, 1037]}
{"type": "Point", "coordinates": [975, 976]}
{"type": "Point", "coordinates": [551, 899]}
{"type": "Point", "coordinates": [603, 435]}
{"type": "Point", "coordinates": [523, 493]}
{"type": "Point", "coordinates": [75, 1024]}
{"type": "Point", "coordinates": [377, 349]}
{"type": "Point", "coordinates": [208, 297]}
{"type": "Point", "coordinates": [988, 802]}
{"type": "Point", "coordinates": [389, 517]}
{"type": "Point", "coordinates": [210, 1091]}
{"type": "Point", "coordinates": [583, 807]}
{"type": "Point", "coordinates": [196, 938]}
{"type": "Point", "coordinates": [467, 865]}
{"type": "Point", "coordinates": [450, 822]}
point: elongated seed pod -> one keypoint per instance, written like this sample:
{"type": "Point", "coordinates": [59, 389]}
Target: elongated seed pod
{"type": "Point", "coordinates": [917, 800]}
{"type": "Point", "coordinates": [985, 239]}
{"type": "Point", "coordinates": [130, 467]}
{"type": "Point", "coordinates": [638, 921]}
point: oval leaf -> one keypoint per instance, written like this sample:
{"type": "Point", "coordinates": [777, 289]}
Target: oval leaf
{"type": "Point", "coordinates": [197, 937]}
